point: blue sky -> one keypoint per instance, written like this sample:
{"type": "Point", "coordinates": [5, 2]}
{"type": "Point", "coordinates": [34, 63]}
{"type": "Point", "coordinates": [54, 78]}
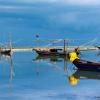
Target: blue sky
{"type": "Point", "coordinates": [50, 18]}
{"type": "Point", "coordinates": [68, 2]}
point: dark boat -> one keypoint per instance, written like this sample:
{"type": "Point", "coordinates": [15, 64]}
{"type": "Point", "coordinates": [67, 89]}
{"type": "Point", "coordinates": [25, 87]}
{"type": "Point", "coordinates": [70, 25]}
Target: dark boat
{"type": "Point", "coordinates": [5, 51]}
{"type": "Point", "coordinates": [83, 64]}
{"type": "Point", "coordinates": [51, 52]}
{"type": "Point", "coordinates": [98, 47]}
{"type": "Point", "coordinates": [86, 65]}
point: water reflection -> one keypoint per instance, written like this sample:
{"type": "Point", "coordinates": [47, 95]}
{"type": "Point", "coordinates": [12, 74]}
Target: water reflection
{"type": "Point", "coordinates": [11, 69]}
{"type": "Point", "coordinates": [57, 62]}
{"type": "Point", "coordinates": [72, 77]}
{"type": "Point", "coordinates": [79, 75]}
{"type": "Point", "coordinates": [35, 77]}
{"type": "Point", "coordinates": [6, 58]}
{"type": "Point", "coordinates": [53, 60]}
{"type": "Point", "coordinates": [49, 58]}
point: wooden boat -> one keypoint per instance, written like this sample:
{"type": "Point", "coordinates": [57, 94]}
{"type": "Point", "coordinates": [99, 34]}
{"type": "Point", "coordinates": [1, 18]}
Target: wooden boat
{"type": "Point", "coordinates": [86, 65]}
{"type": "Point", "coordinates": [50, 52]}
{"type": "Point", "coordinates": [83, 64]}
{"type": "Point", "coordinates": [98, 47]}
{"type": "Point", "coordinates": [5, 51]}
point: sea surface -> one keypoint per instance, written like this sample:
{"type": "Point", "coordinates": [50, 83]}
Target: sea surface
{"type": "Point", "coordinates": [24, 75]}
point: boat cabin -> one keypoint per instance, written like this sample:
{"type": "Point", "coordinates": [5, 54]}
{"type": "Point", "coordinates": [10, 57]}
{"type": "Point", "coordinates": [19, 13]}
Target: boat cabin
{"type": "Point", "coordinates": [56, 50]}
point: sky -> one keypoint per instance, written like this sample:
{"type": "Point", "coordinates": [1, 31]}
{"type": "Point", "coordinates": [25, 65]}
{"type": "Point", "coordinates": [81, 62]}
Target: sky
{"type": "Point", "coordinates": [50, 18]}
{"type": "Point", "coordinates": [16, 3]}
{"type": "Point", "coordinates": [68, 2]}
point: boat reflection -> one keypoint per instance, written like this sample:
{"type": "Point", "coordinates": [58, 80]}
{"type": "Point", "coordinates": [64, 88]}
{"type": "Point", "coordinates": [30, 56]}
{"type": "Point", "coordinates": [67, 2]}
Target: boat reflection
{"type": "Point", "coordinates": [72, 77]}
{"type": "Point", "coordinates": [80, 74]}
{"type": "Point", "coordinates": [5, 56]}
{"type": "Point", "coordinates": [53, 61]}
{"type": "Point", "coordinates": [49, 58]}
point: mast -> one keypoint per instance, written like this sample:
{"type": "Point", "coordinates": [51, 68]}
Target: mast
{"type": "Point", "coordinates": [64, 45]}
{"type": "Point", "coordinates": [10, 41]}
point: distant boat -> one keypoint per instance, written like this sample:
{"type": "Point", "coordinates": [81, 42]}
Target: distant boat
{"type": "Point", "coordinates": [98, 47]}
{"type": "Point", "coordinates": [5, 51]}
{"type": "Point", "coordinates": [50, 52]}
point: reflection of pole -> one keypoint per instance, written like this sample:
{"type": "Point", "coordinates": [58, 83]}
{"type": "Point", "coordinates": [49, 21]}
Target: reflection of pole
{"type": "Point", "coordinates": [11, 75]}
{"type": "Point", "coordinates": [11, 70]}
{"type": "Point", "coordinates": [65, 65]}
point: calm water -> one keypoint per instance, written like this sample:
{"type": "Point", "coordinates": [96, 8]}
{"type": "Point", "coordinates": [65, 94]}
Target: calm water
{"type": "Point", "coordinates": [24, 76]}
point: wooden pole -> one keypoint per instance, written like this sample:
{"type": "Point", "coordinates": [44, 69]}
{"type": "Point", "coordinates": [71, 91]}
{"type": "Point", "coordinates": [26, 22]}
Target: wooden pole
{"type": "Point", "coordinates": [64, 45]}
{"type": "Point", "coordinates": [10, 41]}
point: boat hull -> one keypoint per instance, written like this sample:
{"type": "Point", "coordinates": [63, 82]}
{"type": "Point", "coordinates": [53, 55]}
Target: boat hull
{"type": "Point", "coordinates": [86, 65]}
{"type": "Point", "coordinates": [5, 52]}
{"type": "Point", "coordinates": [44, 53]}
